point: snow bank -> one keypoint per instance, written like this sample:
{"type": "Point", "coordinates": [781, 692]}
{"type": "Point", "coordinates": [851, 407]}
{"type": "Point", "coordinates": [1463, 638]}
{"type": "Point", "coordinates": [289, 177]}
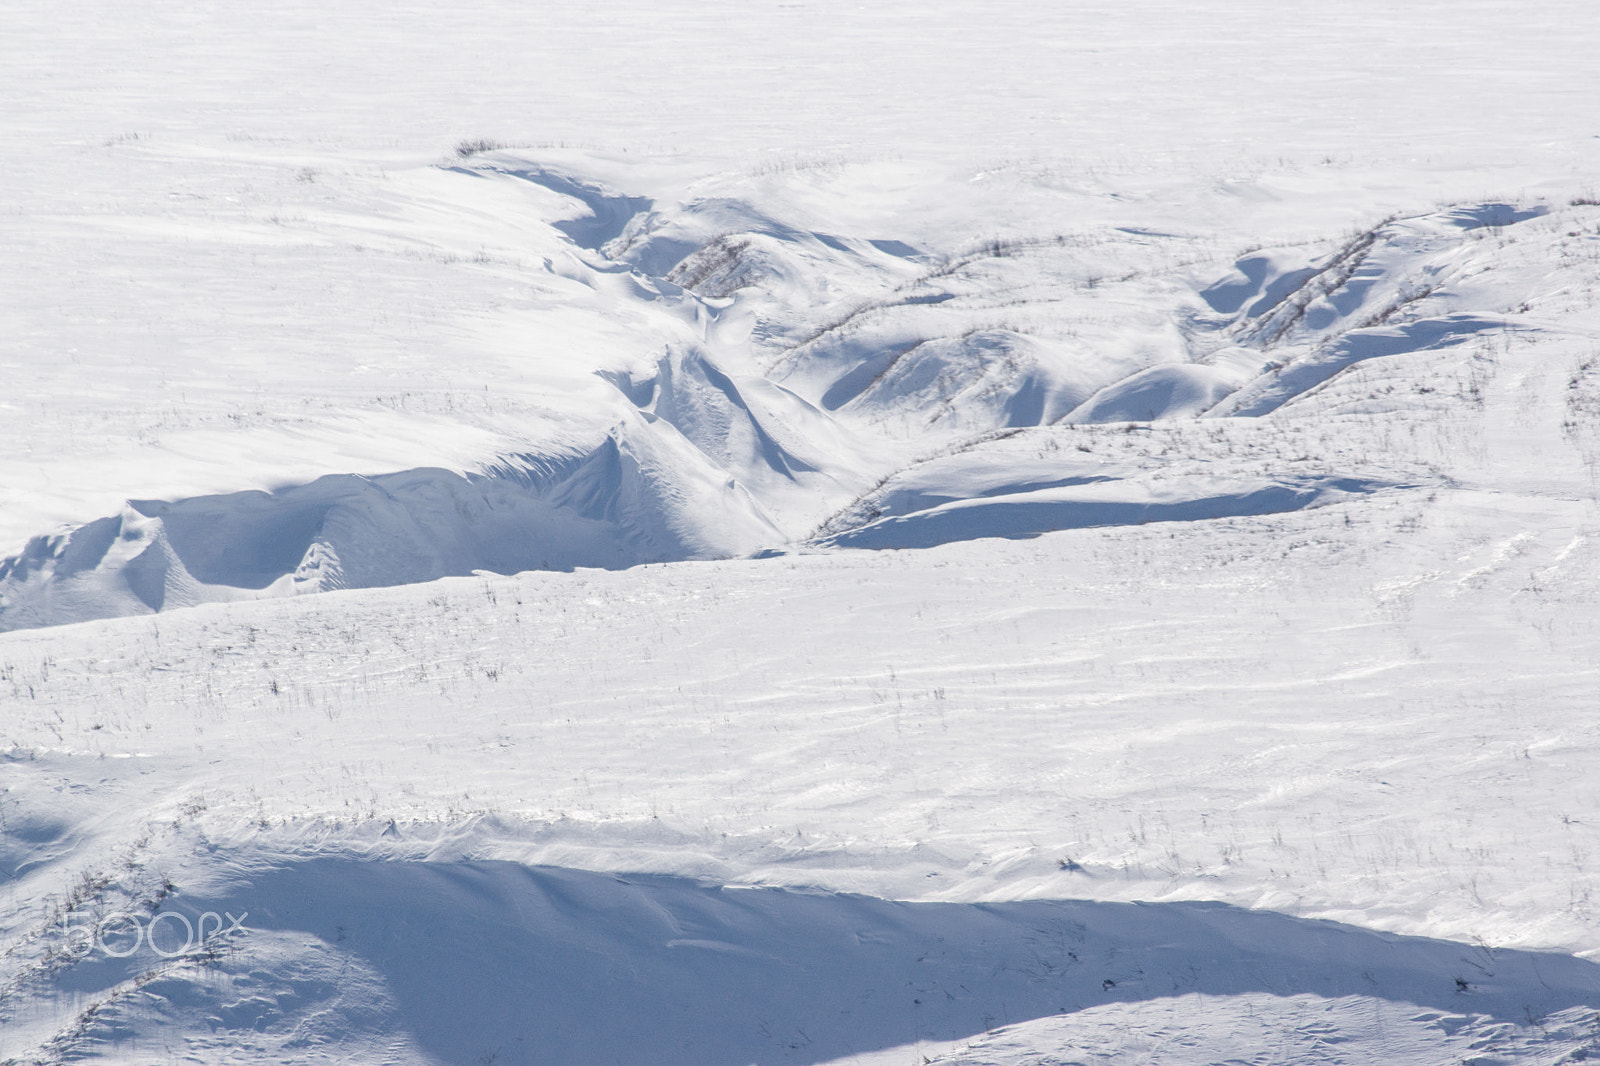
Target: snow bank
{"type": "Point", "coordinates": [459, 962]}
{"type": "Point", "coordinates": [1112, 502]}
{"type": "Point", "coordinates": [638, 497]}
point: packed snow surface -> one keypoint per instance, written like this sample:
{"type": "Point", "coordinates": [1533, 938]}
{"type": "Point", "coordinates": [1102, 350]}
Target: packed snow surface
{"type": "Point", "coordinates": [800, 533]}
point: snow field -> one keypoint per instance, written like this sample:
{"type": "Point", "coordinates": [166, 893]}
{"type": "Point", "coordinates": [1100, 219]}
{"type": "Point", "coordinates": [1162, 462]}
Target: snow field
{"type": "Point", "coordinates": [1232, 371]}
{"type": "Point", "coordinates": [1369, 710]}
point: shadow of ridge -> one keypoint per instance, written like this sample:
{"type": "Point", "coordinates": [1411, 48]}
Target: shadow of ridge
{"type": "Point", "coordinates": [609, 212]}
{"type": "Point", "coordinates": [531, 964]}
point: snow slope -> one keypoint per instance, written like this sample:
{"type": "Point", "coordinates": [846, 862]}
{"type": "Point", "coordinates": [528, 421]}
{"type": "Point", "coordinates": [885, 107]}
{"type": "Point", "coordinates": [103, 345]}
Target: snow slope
{"type": "Point", "coordinates": [969, 533]}
{"type": "Point", "coordinates": [1372, 712]}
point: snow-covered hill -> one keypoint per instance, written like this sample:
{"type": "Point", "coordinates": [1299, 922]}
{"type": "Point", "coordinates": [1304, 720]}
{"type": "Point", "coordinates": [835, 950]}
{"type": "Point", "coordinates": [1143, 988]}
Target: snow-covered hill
{"type": "Point", "coordinates": [967, 534]}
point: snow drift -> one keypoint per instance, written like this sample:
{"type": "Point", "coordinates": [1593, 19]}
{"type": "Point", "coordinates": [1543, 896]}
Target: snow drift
{"type": "Point", "coordinates": [466, 962]}
{"type": "Point", "coordinates": [636, 498]}
{"type": "Point", "coordinates": [797, 365]}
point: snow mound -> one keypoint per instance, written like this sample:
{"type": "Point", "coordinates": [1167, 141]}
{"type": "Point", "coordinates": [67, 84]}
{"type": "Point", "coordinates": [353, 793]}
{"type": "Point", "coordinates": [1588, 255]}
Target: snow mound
{"type": "Point", "coordinates": [1023, 483]}
{"type": "Point", "coordinates": [1110, 502]}
{"type": "Point", "coordinates": [470, 961]}
{"type": "Point", "coordinates": [779, 445]}
{"type": "Point", "coordinates": [1177, 390]}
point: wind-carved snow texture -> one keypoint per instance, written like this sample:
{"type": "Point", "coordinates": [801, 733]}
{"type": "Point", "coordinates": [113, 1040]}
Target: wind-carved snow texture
{"type": "Point", "coordinates": [825, 364]}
